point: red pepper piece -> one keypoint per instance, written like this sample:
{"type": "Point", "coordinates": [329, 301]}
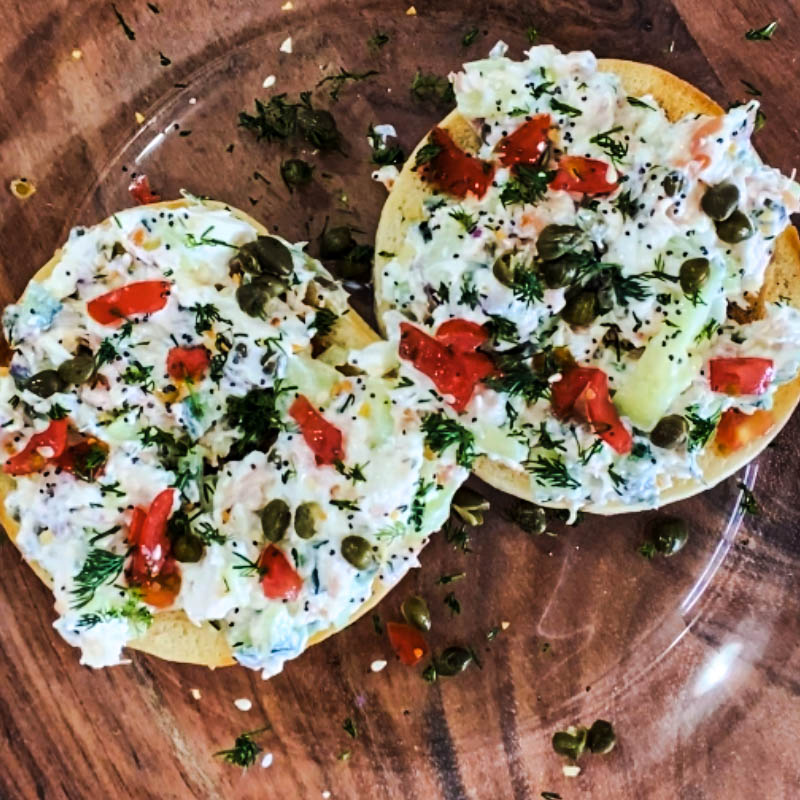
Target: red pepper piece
{"type": "Point", "coordinates": [579, 174]}
{"type": "Point", "coordinates": [454, 171]}
{"type": "Point", "coordinates": [187, 363]}
{"type": "Point", "coordinates": [583, 391]}
{"type": "Point", "coordinates": [407, 642]}
{"type": "Point", "coordinates": [527, 144]}
{"type": "Point", "coordinates": [324, 439]}
{"type": "Point", "coordinates": [141, 192]}
{"type": "Point", "coordinates": [737, 376]}
{"type": "Point", "coordinates": [151, 543]}
{"type": "Point", "coordinates": [142, 297]}
{"type": "Point", "coordinates": [279, 581]}
{"type": "Point", "coordinates": [461, 335]}
{"type": "Point", "coordinates": [29, 459]}
{"type": "Point", "coordinates": [453, 372]}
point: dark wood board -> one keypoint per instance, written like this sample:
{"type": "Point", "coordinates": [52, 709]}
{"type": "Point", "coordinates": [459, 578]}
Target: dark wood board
{"type": "Point", "coordinates": [705, 702]}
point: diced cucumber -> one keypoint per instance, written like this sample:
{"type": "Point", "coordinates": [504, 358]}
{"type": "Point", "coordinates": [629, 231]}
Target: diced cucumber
{"type": "Point", "coordinates": [497, 88]}
{"type": "Point", "coordinates": [498, 443]}
{"type": "Point", "coordinates": [667, 365]}
{"type": "Point", "coordinates": [312, 378]}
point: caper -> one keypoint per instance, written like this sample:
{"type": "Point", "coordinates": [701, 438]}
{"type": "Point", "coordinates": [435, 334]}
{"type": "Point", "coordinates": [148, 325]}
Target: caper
{"type": "Point", "coordinates": [357, 551]}
{"type": "Point", "coordinates": [672, 184]}
{"type": "Point", "coordinates": [188, 548]}
{"type": "Point", "coordinates": [305, 519]}
{"type": "Point", "coordinates": [693, 274]}
{"type": "Point", "coordinates": [548, 362]}
{"type": "Point", "coordinates": [601, 738]}
{"type": "Point", "coordinates": [45, 383]}
{"type": "Point", "coordinates": [469, 506]}
{"type": "Point", "coordinates": [570, 745]}
{"type": "Point", "coordinates": [669, 431]}
{"type": "Point", "coordinates": [275, 519]}
{"type": "Point", "coordinates": [719, 201]}
{"type": "Point", "coordinates": [415, 612]}
{"type": "Point", "coordinates": [580, 309]}
{"type": "Point", "coordinates": [555, 241]}
{"type": "Point", "coordinates": [296, 173]}
{"type": "Point", "coordinates": [76, 370]}
{"type": "Point", "coordinates": [669, 534]}
{"type": "Point", "coordinates": [335, 242]}
{"type": "Point", "coordinates": [453, 660]}
{"type": "Point", "coordinates": [252, 299]}
{"type": "Point", "coordinates": [735, 229]}
{"type": "Point", "coordinates": [266, 255]}
{"type": "Point", "coordinates": [561, 271]}
{"type": "Point", "coordinates": [503, 269]}
{"type": "Point", "coordinates": [529, 517]}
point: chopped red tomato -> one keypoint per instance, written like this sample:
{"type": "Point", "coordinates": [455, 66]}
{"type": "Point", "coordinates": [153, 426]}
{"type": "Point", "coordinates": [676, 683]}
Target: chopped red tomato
{"type": "Point", "coordinates": [583, 391]}
{"type": "Point", "coordinates": [85, 458]}
{"type": "Point", "coordinates": [740, 375]}
{"type": "Point", "coordinates": [162, 591]}
{"type": "Point", "coordinates": [454, 171]}
{"type": "Point", "coordinates": [407, 642]}
{"type": "Point", "coordinates": [736, 429]}
{"type": "Point", "coordinates": [142, 297]}
{"type": "Point", "coordinates": [141, 192]}
{"type": "Point", "coordinates": [579, 174]}
{"type": "Point", "coordinates": [187, 363]}
{"type": "Point", "coordinates": [279, 581]}
{"type": "Point", "coordinates": [526, 144]}
{"type": "Point", "coordinates": [453, 372]}
{"type": "Point", "coordinates": [150, 540]}
{"type": "Point", "coordinates": [30, 459]}
{"type": "Point", "coordinates": [461, 335]}
{"type": "Point", "coordinates": [324, 439]}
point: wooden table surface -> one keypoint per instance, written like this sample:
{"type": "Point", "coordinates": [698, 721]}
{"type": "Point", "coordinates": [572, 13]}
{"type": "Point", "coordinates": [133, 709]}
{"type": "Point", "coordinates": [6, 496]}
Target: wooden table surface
{"type": "Point", "coordinates": [706, 703]}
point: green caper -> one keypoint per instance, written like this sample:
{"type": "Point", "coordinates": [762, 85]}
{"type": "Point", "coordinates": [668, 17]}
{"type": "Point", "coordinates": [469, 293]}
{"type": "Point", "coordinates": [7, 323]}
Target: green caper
{"type": "Point", "coordinates": [601, 738]}
{"type": "Point", "coordinates": [45, 383]}
{"type": "Point", "coordinates": [188, 548]}
{"type": "Point", "coordinates": [335, 242]}
{"type": "Point", "coordinates": [669, 534]}
{"type": "Point", "coordinates": [252, 299]}
{"type": "Point", "coordinates": [415, 612]}
{"type": "Point", "coordinates": [529, 517]}
{"type": "Point", "coordinates": [76, 370]}
{"type": "Point", "coordinates": [568, 744]}
{"type": "Point", "coordinates": [561, 271]}
{"type": "Point", "coordinates": [503, 269]}
{"type": "Point", "coordinates": [265, 256]}
{"type": "Point", "coordinates": [669, 431]}
{"type": "Point", "coordinates": [453, 660]}
{"type": "Point", "coordinates": [296, 173]}
{"type": "Point", "coordinates": [580, 309]}
{"type": "Point", "coordinates": [305, 519]}
{"type": "Point", "coordinates": [735, 229]}
{"type": "Point", "coordinates": [357, 551]}
{"type": "Point", "coordinates": [275, 519]}
{"type": "Point", "coordinates": [693, 274]}
{"type": "Point", "coordinates": [469, 506]}
{"type": "Point", "coordinates": [672, 184]}
{"type": "Point", "coordinates": [555, 241]}
{"type": "Point", "coordinates": [719, 201]}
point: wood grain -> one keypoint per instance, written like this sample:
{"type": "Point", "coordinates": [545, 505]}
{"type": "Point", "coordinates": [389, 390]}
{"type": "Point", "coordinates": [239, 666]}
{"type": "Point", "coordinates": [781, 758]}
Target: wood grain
{"type": "Point", "coordinates": [595, 631]}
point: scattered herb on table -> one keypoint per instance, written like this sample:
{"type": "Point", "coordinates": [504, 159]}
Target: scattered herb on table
{"type": "Point", "coordinates": [450, 578]}
{"type": "Point", "coordinates": [748, 504]}
{"type": "Point", "coordinates": [762, 34]}
{"type": "Point", "coordinates": [377, 40]}
{"type": "Point", "coordinates": [428, 87]}
{"type": "Point", "coordinates": [384, 154]}
{"type": "Point", "coordinates": [127, 30]}
{"type": "Point", "coordinates": [296, 173]}
{"type": "Point", "coordinates": [452, 603]}
{"type": "Point", "coordinates": [750, 88]}
{"type": "Point", "coordinates": [339, 81]}
{"type": "Point", "coordinates": [350, 728]}
{"type": "Point", "coordinates": [244, 751]}
{"type": "Point", "coordinates": [469, 37]}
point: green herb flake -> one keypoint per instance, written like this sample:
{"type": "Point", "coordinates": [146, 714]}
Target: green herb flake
{"type": "Point", "coordinates": [244, 751]}
{"type": "Point", "coordinates": [762, 34]}
{"type": "Point", "coordinates": [450, 578]}
{"type": "Point", "coordinates": [465, 219]}
{"type": "Point", "coordinates": [350, 728]}
{"type": "Point", "coordinates": [427, 87]}
{"type": "Point", "coordinates": [527, 184]}
{"type": "Point", "coordinates": [126, 29]}
{"type": "Point", "coordinates": [531, 34]}
{"type": "Point", "coordinates": [637, 103]}
{"type": "Point", "coordinates": [551, 472]}
{"type": "Point", "coordinates": [338, 82]}
{"type": "Point", "coordinates": [750, 88]}
{"type": "Point", "coordinates": [426, 154]}
{"type": "Point", "coordinates": [377, 40]}
{"type": "Point", "coordinates": [748, 503]}
{"type": "Point", "coordinates": [452, 603]}
{"type": "Point", "coordinates": [100, 567]}
{"type": "Point", "coordinates": [615, 149]}
{"type": "Point", "coordinates": [323, 322]}
{"type": "Point", "coordinates": [441, 432]}
{"type": "Point", "coordinates": [563, 108]}
{"type": "Point", "coordinates": [377, 624]}
{"type": "Point", "coordinates": [469, 37]}
{"type": "Point", "coordinates": [384, 154]}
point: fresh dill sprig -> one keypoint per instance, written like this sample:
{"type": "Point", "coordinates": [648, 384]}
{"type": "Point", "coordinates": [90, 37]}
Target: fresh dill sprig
{"type": "Point", "coordinates": [616, 150]}
{"type": "Point", "coordinates": [100, 567]}
{"type": "Point", "coordinates": [204, 239]}
{"type": "Point", "coordinates": [466, 219]}
{"type": "Point", "coordinates": [527, 287]}
{"type": "Point", "coordinates": [339, 81]}
{"type": "Point", "coordinates": [527, 184]}
{"type": "Point", "coordinates": [324, 320]}
{"type": "Point", "coordinates": [417, 510]}
{"type": "Point", "coordinates": [205, 315]}
{"type": "Point", "coordinates": [501, 329]}
{"type": "Point", "coordinates": [441, 432]}
{"type": "Point", "coordinates": [626, 205]}
{"type": "Point", "coordinates": [244, 751]}
{"type": "Point", "coordinates": [517, 379]}
{"type": "Point", "coordinates": [469, 292]}
{"type": "Point", "coordinates": [551, 472]}
{"type": "Point", "coordinates": [563, 108]}
{"type": "Point", "coordinates": [637, 103]}
{"type": "Point", "coordinates": [384, 154]}
{"type": "Point", "coordinates": [700, 428]}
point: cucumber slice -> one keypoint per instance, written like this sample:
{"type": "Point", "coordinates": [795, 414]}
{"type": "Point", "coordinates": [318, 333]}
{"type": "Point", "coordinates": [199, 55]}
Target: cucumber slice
{"type": "Point", "coordinates": [498, 443]}
{"type": "Point", "coordinates": [667, 365]}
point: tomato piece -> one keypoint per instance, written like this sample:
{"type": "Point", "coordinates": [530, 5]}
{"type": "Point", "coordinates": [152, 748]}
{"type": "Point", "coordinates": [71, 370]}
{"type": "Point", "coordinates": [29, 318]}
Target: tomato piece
{"type": "Point", "coordinates": [736, 429]}
{"type": "Point", "coordinates": [454, 171]}
{"type": "Point", "coordinates": [135, 525]}
{"type": "Point", "coordinates": [30, 459]}
{"type": "Point", "coordinates": [583, 391]}
{"type": "Point", "coordinates": [453, 372]}
{"type": "Point", "coordinates": [142, 297]}
{"type": "Point", "coordinates": [162, 591]}
{"type": "Point", "coordinates": [461, 335]}
{"type": "Point", "coordinates": [324, 439]}
{"type": "Point", "coordinates": [85, 459]}
{"type": "Point", "coordinates": [407, 642]}
{"type": "Point", "coordinates": [187, 363]}
{"type": "Point", "coordinates": [737, 376]}
{"type": "Point", "coordinates": [526, 144]}
{"type": "Point", "coordinates": [279, 580]}
{"type": "Point", "coordinates": [141, 192]}
{"type": "Point", "coordinates": [579, 174]}
{"type": "Point", "coordinates": [151, 544]}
